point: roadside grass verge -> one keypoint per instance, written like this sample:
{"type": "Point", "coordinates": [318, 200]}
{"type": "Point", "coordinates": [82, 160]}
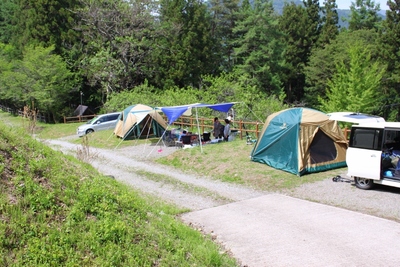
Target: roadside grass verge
{"type": "Point", "coordinates": [58, 211]}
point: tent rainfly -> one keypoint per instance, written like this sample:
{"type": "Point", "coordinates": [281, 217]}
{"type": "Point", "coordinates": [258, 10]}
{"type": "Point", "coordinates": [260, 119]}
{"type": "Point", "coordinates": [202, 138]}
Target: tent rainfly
{"type": "Point", "coordinates": [139, 120]}
{"type": "Point", "coordinates": [300, 141]}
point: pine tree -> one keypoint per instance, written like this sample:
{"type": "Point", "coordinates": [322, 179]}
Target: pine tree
{"type": "Point", "coordinates": [355, 86]}
{"type": "Point", "coordinates": [301, 26]}
{"type": "Point", "coordinates": [364, 15]}
{"type": "Point", "coordinates": [330, 19]}
{"type": "Point", "coordinates": [185, 51]}
{"type": "Point", "coordinates": [390, 53]}
{"type": "Point", "coordinates": [259, 52]}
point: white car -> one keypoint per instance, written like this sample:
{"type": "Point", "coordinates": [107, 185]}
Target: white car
{"type": "Point", "coordinates": [373, 154]}
{"type": "Point", "coordinates": [98, 123]}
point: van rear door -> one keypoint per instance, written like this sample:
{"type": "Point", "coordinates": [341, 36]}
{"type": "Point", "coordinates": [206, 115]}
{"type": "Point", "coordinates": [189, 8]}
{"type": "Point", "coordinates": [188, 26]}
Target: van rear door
{"type": "Point", "coordinates": [363, 157]}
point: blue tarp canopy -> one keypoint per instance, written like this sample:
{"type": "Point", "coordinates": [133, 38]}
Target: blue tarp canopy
{"type": "Point", "coordinates": [174, 112]}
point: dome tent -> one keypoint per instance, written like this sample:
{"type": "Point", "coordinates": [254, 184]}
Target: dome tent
{"type": "Point", "coordinates": [300, 141]}
{"type": "Point", "coordinates": [139, 120]}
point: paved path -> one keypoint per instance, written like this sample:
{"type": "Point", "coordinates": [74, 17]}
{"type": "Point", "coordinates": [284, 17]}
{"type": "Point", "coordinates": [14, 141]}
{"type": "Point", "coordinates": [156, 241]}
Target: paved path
{"type": "Point", "coordinates": [277, 230]}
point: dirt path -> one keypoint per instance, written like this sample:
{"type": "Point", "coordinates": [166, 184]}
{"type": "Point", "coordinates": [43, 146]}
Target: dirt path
{"type": "Point", "coordinates": [134, 166]}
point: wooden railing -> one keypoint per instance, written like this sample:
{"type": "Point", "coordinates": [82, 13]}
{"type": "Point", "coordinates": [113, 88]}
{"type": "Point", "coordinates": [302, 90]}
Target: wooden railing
{"type": "Point", "coordinates": [206, 125]}
{"type": "Point", "coordinates": [78, 118]}
{"type": "Point", "coordinates": [244, 128]}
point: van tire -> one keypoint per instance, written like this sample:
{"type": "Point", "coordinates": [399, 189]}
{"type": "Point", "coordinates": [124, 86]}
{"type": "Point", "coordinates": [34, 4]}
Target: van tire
{"type": "Point", "coordinates": [88, 131]}
{"type": "Point", "coordinates": [363, 183]}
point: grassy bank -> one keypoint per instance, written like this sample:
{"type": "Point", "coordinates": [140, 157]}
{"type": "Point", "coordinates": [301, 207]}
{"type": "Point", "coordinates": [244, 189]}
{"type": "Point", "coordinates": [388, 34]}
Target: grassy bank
{"type": "Point", "coordinates": [57, 211]}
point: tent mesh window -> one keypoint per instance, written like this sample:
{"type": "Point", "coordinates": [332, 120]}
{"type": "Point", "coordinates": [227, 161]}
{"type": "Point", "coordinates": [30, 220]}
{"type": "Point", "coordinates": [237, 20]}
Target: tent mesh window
{"type": "Point", "coordinates": [322, 148]}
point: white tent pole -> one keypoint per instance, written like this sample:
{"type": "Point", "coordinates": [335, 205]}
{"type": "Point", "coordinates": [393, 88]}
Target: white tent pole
{"type": "Point", "coordinates": [159, 140]}
{"type": "Point", "coordinates": [198, 130]}
{"type": "Point", "coordinates": [123, 138]}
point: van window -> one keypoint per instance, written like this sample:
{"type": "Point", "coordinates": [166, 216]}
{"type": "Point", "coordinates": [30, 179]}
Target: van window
{"type": "Point", "coordinates": [392, 139]}
{"type": "Point", "coordinates": [366, 138]}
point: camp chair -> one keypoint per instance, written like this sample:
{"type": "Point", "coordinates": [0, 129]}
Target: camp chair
{"type": "Point", "coordinates": [186, 140]}
{"type": "Point", "coordinates": [206, 137]}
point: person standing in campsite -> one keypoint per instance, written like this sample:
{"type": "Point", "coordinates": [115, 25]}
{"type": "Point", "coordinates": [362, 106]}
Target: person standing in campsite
{"type": "Point", "coordinates": [217, 128]}
{"type": "Point", "coordinates": [227, 130]}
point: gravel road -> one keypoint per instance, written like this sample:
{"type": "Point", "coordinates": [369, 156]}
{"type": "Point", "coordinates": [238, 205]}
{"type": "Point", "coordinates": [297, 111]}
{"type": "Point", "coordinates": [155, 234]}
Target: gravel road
{"type": "Point", "coordinates": [135, 166]}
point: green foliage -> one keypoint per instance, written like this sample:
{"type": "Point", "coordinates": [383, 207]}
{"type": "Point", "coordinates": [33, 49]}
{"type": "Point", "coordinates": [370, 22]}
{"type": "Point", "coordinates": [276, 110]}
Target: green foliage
{"type": "Point", "coordinates": [185, 50]}
{"type": "Point", "coordinates": [323, 61]}
{"type": "Point", "coordinates": [301, 26]}
{"type": "Point", "coordinates": [224, 18]}
{"type": "Point", "coordinates": [355, 86]}
{"type": "Point", "coordinates": [45, 23]}
{"type": "Point", "coordinates": [57, 211]}
{"type": "Point", "coordinates": [8, 9]}
{"type": "Point", "coordinates": [330, 20]}
{"type": "Point", "coordinates": [364, 15]}
{"type": "Point", "coordinates": [259, 52]}
{"type": "Point", "coordinates": [390, 53]}
{"type": "Point", "coordinates": [228, 87]}
{"type": "Point", "coordinates": [41, 77]}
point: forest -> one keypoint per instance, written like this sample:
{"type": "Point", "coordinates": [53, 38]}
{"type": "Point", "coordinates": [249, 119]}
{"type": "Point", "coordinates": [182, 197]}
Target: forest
{"type": "Point", "coordinates": [109, 54]}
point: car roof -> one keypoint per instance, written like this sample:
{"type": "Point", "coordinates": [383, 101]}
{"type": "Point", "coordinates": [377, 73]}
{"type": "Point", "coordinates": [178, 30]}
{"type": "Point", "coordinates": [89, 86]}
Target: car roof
{"type": "Point", "coordinates": [355, 117]}
{"type": "Point", "coordinates": [381, 125]}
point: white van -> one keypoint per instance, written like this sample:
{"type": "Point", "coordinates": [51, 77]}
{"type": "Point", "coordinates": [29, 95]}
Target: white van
{"type": "Point", "coordinates": [98, 123]}
{"type": "Point", "coordinates": [373, 154]}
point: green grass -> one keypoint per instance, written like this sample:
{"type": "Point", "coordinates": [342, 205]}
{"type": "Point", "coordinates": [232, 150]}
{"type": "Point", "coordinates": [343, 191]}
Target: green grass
{"type": "Point", "coordinates": [230, 162]}
{"type": "Point", "coordinates": [58, 211]}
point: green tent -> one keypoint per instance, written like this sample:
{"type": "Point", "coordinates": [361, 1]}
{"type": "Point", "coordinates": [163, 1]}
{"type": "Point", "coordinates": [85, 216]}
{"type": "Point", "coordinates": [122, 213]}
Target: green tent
{"type": "Point", "coordinates": [299, 141]}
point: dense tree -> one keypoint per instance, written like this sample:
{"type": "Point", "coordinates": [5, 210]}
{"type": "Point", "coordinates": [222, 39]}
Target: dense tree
{"type": "Point", "coordinates": [356, 85]}
{"type": "Point", "coordinates": [8, 9]}
{"type": "Point", "coordinates": [118, 38]}
{"type": "Point", "coordinates": [330, 20]}
{"type": "Point", "coordinates": [41, 79]}
{"type": "Point", "coordinates": [364, 15]}
{"type": "Point", "coordinates": [323, 61]}
{"type": "Point", "coordinates": [390, 52]}
{"type": "Point", "coordinates": [301, 26]}
{"type": "Point", "coordinates": [259, 53]}
{"type": "Point", "coordinates": [224, 16]}
{"type": "Point", "coordinates": [45, 23]}
{"type": "Point", "coordinates": [184, 52]}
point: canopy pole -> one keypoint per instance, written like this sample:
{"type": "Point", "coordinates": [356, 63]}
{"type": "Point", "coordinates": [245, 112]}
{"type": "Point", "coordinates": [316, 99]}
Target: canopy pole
{"type": "Point", "coordinates": [161, 139]}
{"type": "Point", "coordinates": [123, 138]}
{"type": "Point", "coordinates": [198, 131]}
{"type": "Point", "coordinates": [252, 112]}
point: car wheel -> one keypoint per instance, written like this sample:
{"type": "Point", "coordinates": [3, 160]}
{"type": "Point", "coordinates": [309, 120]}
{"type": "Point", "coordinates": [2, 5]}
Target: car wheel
{"type": "Point", "coordinates": [88, 131]}
{"type": "Point", "coordinates": [363, 183]}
